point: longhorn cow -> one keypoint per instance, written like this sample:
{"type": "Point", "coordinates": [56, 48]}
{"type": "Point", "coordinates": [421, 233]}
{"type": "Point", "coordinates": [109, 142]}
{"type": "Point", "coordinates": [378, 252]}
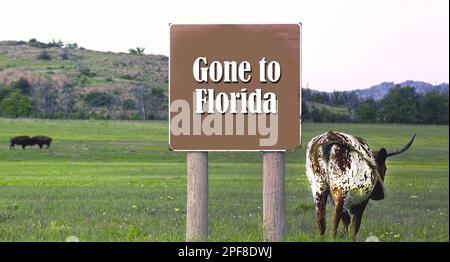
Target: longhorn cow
{"type": "Point", "coordinates": [344, 167]}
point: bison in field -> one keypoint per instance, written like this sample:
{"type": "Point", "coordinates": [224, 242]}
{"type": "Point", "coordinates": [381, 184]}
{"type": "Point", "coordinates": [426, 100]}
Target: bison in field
{"type": "Point", "coordinates": [23, 141]}
{"type": "Point", "coordinates": [41, 141]}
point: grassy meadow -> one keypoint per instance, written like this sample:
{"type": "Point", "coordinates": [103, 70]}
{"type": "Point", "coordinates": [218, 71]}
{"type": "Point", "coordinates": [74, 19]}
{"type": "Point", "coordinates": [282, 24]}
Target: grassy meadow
{"type": "Point", "coordinates": [117, 181]}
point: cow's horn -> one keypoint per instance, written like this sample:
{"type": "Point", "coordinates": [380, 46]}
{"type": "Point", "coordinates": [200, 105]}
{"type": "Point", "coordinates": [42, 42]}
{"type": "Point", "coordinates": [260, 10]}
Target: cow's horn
{"type": "Point", "coordinates": [398, 151]}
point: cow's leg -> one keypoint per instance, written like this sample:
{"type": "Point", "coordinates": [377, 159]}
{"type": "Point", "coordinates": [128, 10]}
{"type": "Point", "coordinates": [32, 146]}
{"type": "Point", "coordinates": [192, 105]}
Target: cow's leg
{"type": "Point", "coordinates": [40, 146]}
{"type": "Point", "coordinates": [11, 147]}
{"type": "Point", "coordinates": [337, 213]}
{"type": "Point", "coordinates": [356, 222]}
{"type": "Point", "coordinates": [345, 221]}
{"type": "Point", "coordinates": [23, 147]}
{"type": "Point", "coordinates": [317, 177]}
{"type": "Point", "coordinates": [321, 206]}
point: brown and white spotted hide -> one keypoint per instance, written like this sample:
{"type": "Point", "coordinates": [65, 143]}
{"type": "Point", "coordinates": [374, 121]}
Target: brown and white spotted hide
{"type": "Point", "coordinates": [341, 165]}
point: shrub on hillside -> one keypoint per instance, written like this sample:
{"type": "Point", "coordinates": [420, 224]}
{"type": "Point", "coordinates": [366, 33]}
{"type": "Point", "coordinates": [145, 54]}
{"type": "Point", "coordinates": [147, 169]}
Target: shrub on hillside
{"type": "Point", "coordinates": [136, 51]}
{"type": "Point", "coordinates": [16, 105]}
{"type": "Point", "coordinates": [23, 86]}
{"type": "Point", "coordinates": [98, 99]}
{"type": "Point", "coordinates": [43, 55]}
{"type": "Point", "coordinates": [5, 92]}
{"type": "Point", "coordinates": [35, 43]}
{"type": "Point", "coordinates": [126, 77]}
{"type": "Point", "coordinates": [86, 71]}
{"type": "Point", "coordinates": [129, 104]}
{"type": "Point", "coordinates": [64, 55]}
{"type": "Point", "coordinates": [72, 46]}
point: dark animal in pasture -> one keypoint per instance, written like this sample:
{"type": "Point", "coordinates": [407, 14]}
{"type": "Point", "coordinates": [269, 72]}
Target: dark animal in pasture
{"type": "Point", "coordinates": [345, 167]}
{"type": "Point", "coordinates": [23, 141]}
{"type": "Point", "coordinates": [41, 141]}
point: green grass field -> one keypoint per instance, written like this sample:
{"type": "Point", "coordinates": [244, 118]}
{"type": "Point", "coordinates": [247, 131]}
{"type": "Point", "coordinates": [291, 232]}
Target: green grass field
{"type": "Point", "coordinates": [117, 181]}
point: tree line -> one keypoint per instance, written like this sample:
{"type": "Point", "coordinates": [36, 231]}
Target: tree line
{"type": "Point", "coordinates": [21, 99]}
{"type": "Point", "coordinates": [401, 105]}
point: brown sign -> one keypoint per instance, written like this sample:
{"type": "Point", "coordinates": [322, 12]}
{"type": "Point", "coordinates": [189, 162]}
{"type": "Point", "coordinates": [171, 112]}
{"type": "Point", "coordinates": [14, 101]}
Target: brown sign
{"type": "Point", "coordinates": [234, 87]}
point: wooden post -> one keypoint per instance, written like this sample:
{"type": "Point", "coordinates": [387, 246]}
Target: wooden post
{"type": "Point", "coordinates": [197, 197]}
{"type": "Point", "coordinates": [273, 196]}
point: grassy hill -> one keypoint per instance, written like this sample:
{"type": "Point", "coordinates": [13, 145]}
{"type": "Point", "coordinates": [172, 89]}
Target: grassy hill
{"type": "Point", "coordinates": [339, 110]}
{"type": "Point", "coordinates": [319, 112]}
{"type": "Point", "coordinates": [77, 72]}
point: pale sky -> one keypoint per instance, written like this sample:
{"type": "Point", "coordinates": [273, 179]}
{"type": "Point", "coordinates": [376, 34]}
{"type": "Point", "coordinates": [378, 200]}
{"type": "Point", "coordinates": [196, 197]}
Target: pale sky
{"type": "Point", "coordinates": [347, 44]}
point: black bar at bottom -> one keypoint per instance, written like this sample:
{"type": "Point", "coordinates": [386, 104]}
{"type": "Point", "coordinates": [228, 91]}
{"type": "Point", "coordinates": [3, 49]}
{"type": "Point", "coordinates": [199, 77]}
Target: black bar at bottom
{"type": "Point", "coordinates": [225, 251]}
